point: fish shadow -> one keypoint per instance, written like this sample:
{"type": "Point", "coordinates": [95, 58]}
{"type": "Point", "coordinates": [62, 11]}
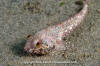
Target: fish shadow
{"type": "Point", "coordinates": [79, 3]}
{"type": "Point", "coordinates": [18, 48]}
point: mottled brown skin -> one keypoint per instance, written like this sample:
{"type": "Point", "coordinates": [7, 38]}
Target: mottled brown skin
{"type": "Point", "coordinates": [52, 37]}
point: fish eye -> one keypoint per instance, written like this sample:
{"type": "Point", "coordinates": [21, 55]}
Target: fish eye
{"type": "Point", "coordinates": [38, 45]}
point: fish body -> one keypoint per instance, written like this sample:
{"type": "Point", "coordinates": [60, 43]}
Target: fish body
{"type": "Point", "coordinates": [52, 37]}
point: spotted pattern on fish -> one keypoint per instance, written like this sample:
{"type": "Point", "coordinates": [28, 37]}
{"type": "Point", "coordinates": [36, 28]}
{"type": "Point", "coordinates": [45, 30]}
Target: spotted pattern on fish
{"type": "Point", "coordinates": [51, 38]}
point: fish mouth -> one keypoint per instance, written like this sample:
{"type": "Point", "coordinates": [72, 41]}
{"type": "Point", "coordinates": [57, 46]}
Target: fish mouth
{"type": "Point", "coordinates": [40, 50]}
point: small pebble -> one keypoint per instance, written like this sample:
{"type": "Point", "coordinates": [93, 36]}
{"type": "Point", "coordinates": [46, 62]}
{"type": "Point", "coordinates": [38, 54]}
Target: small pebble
{"type": "Point", "coordinates": [61, 4]}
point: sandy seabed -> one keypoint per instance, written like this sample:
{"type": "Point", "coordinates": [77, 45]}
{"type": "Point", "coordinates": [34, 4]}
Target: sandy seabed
{"type": "Point", "coordinates": [18, 18]}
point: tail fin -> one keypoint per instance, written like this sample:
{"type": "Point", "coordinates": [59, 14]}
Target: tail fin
{"type": "Point", "coordinates": [86, 1]}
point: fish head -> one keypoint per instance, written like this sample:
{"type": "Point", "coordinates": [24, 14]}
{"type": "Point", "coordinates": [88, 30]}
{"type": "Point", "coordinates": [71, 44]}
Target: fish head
{"type": "Point", "coordinates": [35, 45]}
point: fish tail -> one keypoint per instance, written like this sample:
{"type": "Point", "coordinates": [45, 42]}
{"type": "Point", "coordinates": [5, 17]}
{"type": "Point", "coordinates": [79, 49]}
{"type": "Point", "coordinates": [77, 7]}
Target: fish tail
{"type": "Point", "coordinates": [86, 1]}
{"type": "Point", "coordinates": [70, 24]}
